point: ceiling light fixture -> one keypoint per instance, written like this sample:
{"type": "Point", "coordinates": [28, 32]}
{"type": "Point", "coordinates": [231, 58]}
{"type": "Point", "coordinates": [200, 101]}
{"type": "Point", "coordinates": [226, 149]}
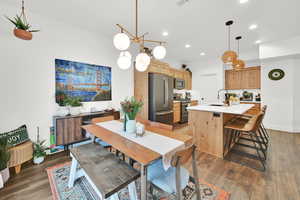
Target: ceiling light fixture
{"type": "Point", "coordinates": [165, 33]}
{"type": "Point", "coordinates": [238, 64]}
{"type": "Point", "coordinates": [243, 1]}
{"type": "Point", "coordinates": [257, 41]}
{"type": "Point", "coordinates": [253, 27]}
{"type": "Point", "coordinates": [187, 46]}
{"type": "Point", "coordinates": [202, 54]}
{"type": "Point", "coordinates": [122, 42]}
{"type": "Point", "coordinates": [229, 56]}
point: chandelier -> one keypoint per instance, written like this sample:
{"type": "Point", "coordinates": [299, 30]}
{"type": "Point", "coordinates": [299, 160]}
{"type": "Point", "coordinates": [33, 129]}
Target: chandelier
{"type": "Point", "coordinates": [229, 56]}
{"type": "Point", "coordinates": [123, 40]}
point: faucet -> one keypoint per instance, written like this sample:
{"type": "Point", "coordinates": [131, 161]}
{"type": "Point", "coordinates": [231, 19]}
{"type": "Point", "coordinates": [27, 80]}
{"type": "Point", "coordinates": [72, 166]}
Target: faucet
{"type": "Point", "coordinates": [219, 93]}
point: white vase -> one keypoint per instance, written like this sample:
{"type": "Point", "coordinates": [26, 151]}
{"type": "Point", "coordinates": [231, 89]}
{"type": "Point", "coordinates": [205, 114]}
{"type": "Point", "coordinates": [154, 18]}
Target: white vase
{"type": "Point", "coordinates": [75, 110]}
{"type": "Point", "coordinates": [131, 126]}
{"type": "Point", "coordinates": [38, 160]}
{"type": "Point", "coordinates": [4, 176]}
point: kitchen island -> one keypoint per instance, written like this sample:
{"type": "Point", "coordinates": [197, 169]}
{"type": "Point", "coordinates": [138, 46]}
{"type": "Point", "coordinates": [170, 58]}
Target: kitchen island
{"type": "Point", "coordinates": [207, 124]}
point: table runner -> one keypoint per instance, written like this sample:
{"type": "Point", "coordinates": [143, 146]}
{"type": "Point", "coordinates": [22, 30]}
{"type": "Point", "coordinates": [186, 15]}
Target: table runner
{"type": "Point", "coordinates": [163, 145]}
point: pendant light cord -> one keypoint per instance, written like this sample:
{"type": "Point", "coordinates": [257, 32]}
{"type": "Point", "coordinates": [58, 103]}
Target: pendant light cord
{"type": "Point", "coordinates": [136, 18]}
{"type": "Point", "coordinates": [229, 48]}
{"type": "Point", "coordinates": [23, 12]}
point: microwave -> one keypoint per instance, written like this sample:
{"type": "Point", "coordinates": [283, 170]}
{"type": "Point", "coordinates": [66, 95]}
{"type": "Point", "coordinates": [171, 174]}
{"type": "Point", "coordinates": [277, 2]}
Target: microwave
{"type": "Point", "coordinates": [179, 84]}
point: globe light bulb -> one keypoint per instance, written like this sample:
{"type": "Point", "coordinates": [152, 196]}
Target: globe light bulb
{"type": "Point", "coordinates": [121, 41]}
{"type": "Point", "coordinates": [124, 61]}
{"type": "Point", "coordinates": [159, 52]}
{"type": "Point", "coordinates": [142, 62]}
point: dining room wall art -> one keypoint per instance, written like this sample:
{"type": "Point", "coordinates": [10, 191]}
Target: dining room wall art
{"type": "Point", "coordinates": [86, 81]}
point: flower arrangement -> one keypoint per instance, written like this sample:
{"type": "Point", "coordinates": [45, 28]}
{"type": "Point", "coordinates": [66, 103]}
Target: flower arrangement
{"type": "Point", "coordinates": [131, 107]}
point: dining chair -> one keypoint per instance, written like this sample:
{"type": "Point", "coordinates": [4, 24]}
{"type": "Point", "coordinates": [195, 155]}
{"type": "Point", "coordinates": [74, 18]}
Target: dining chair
{"type": "Point", "coordinates": [99, 120]}
{"type": "Point", "coordinates": [176, 178]}
{"type": "Point", "coordinates": [102, 143]}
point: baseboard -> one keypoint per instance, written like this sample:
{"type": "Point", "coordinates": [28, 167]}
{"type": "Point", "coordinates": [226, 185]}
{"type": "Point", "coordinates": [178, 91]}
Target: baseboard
{"type": "Point", "coordinates": [280, 128]}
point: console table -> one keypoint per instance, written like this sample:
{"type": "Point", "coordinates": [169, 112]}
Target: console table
{"type": "Point", "coordinates": [68, 129]}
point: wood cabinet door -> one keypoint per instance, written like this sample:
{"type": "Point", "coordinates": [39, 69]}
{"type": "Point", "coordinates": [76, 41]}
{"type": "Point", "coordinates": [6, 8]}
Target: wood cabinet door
{"type": "Point", "coordinates": [176, 110]}
{"type": "Point", "coordinates": [253, 81]}
{"type": "Point", "coordinates": [68, 130]}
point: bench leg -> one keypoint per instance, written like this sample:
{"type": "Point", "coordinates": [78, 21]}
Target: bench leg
{"type": "Point", "coordinates": [114, 197]}
{"type": "Point", "coordinates": [72, 172]}
{"type": "Point", "coordinates": [132, 191]}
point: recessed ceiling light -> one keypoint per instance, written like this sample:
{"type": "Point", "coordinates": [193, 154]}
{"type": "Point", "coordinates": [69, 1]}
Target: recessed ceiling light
{"type": "Point", "coordinates": [243, 1]}
{"type": "Point", "coordinates": [253, 26]}
{"type": "Point", "coordinates": [202, 54]}
{"type": "Point", "coordinates": [187, 46]}
{"type": "Point", "coordinates": [257, 41]}
{"type": "Point", "coordinates": [165, 33]}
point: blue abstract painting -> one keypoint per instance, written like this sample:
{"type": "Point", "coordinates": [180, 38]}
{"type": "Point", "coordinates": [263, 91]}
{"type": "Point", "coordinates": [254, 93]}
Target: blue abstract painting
{"type": "Point", "coordinates": [86, 81]}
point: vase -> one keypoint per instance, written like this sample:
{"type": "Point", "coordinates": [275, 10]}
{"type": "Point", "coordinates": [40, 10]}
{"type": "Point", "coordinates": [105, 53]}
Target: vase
{"type": "Point", "coordinates": [131, 126]}
{"type": "Point", "coordinates": [62, 111]}
{"type": "Point", "coordinates": [38, 160]}
{"type": "Point", "coordinates": [4, 176]}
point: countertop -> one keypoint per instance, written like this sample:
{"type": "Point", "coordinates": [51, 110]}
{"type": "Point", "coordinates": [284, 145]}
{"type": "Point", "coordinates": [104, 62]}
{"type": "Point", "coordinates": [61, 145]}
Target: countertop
{"type": "Point", "coordinates": [235, 109]}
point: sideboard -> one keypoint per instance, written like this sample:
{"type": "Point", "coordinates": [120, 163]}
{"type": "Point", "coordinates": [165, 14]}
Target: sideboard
{"type": "Point", "coordinates": [67, 129]}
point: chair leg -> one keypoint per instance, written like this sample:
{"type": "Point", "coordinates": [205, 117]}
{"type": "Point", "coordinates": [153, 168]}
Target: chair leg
{"type": "Point", "coordinates": [178, 183]}
{"type": "Point", "coordinates": [258, 154]}
{"type": "Point", "coordinates": [18, 169]}
{"type": "Point", "coordinates": [72, 172]}
{"type": "Point", "coordinates": [195, 174]}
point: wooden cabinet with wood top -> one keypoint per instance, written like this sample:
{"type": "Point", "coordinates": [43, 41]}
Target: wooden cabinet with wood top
{"type": "Point", "coordinates": [248, 78]}
{"type": "Point", "coordinates": [176, 110]}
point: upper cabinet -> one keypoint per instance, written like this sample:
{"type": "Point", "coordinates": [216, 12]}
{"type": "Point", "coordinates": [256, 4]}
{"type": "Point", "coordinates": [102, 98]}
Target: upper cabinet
{"type": "Point", "coordinates": [248, 78]}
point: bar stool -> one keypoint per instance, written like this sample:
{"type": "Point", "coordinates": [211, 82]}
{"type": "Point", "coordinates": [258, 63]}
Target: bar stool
{"type": "Point", "coordinates": [248, 128]}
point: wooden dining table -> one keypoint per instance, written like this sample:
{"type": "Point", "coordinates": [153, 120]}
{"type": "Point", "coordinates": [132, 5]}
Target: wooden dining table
{"type": "Point", "coordinates": [133, 150]}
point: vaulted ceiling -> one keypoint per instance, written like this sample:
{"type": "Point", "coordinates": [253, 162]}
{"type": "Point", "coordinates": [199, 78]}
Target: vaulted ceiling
{"type": "Point", "coordinates": [199, 23]}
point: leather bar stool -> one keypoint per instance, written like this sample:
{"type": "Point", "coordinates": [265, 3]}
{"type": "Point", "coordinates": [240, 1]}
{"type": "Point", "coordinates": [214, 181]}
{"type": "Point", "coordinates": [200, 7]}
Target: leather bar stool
{"type": "Point", "coordinates": [249, 128]}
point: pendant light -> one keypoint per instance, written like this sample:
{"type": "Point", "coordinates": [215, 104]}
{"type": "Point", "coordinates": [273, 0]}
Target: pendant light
{"type": "Point", "coordinates": [124, 60]}
{"type": "Point", "coordinates": [229, 56]}
{"type": "Point", "coordinates": [237, 63]}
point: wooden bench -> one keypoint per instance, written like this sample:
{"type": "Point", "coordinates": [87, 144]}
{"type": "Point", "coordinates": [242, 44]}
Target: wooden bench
{"type": "Point", "coordinates": [106, 173]}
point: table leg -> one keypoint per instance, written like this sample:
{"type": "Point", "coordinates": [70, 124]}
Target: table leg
{"type": "Point", "coordinates": [143, 182]}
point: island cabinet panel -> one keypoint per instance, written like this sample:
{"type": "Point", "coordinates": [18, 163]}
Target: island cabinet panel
{"type": "Point", "coordinates": [208, 135]}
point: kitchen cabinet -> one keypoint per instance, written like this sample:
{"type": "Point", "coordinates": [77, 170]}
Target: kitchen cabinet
{"type": "Point", "coordinates": [176, 110]}
{"type": "Point", "coordinates": [188, 80]}
{"type": "Point", "coordinates": [248, 78]}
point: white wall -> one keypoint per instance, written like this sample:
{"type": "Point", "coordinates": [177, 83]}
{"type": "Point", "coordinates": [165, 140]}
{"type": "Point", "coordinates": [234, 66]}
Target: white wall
{"type": "Point", "coordinates": [296, 95]}
{"type": "Point", "coordinates": [27, 71]}
{"type": "Point", "coordinates": [278, 95]}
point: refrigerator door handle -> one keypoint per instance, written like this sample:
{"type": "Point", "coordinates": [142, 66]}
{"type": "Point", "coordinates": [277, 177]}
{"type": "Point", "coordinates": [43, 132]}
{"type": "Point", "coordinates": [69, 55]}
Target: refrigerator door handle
{"type": "Point", "coordinates": [164, 112]}
{"type": "Point", "coordinates": [166, 92]}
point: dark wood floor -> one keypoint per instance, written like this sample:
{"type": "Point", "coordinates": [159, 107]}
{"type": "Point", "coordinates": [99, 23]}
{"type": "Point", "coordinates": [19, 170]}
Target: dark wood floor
{"type": "Point", "coordinates": [281, 181]}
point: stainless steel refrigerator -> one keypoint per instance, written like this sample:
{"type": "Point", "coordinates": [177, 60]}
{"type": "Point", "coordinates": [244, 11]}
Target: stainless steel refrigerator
{"type": "Point", "coordinates": [161, 98]}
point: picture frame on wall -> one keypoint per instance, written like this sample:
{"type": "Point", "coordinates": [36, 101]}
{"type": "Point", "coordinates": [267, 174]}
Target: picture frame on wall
{"type": "Point", "coordinates": [85, 81]}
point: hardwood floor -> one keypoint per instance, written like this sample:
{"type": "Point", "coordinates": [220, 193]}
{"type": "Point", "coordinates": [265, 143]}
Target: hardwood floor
{"type": "Point", "coordinates": [281, 181]}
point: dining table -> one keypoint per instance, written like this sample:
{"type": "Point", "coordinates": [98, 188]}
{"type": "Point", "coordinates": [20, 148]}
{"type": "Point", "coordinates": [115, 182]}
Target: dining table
{"type": "Point", "coordinates": [155, 144]}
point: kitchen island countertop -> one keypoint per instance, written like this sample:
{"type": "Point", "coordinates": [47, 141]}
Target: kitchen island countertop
{"type": "Point", "coordinates": [234, 109]}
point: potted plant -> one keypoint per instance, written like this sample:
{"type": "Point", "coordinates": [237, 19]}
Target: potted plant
{"type": "Point", "coordinates": [74, 104]}
{"type": "Point", "coordinates": [22, 28]}
{"type": "Point", "coordinates": [131, 107]}
{"type": "Point", "coordinates": [60, 98]}
{"type": "Point", "coordinates": [4, 158]}
{"type": "Point", "coordinates": [39, 150]}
